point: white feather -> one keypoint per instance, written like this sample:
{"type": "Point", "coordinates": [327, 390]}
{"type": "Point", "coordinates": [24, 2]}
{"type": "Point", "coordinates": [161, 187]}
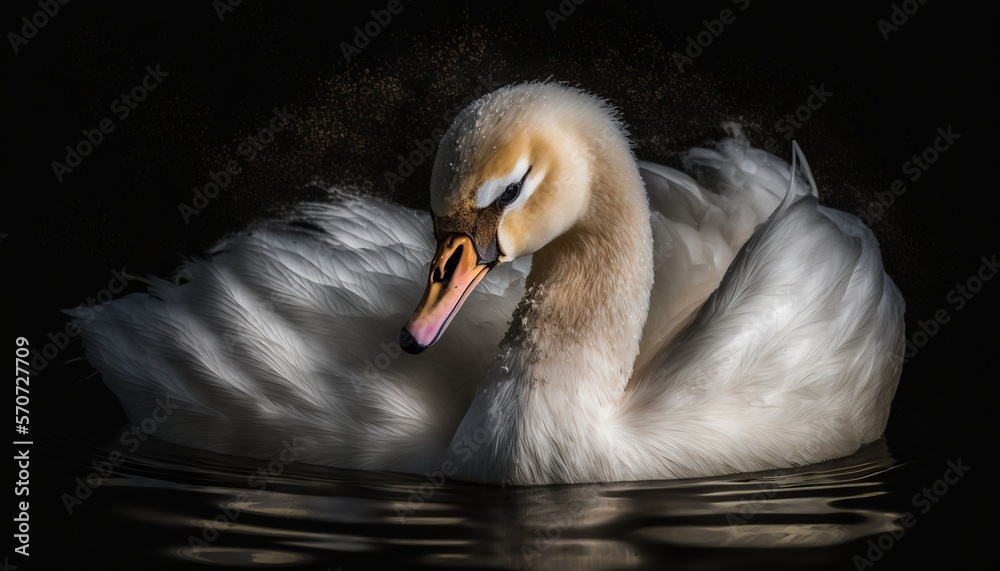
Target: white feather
{"type": "Point", "coordinates": [773, 339]}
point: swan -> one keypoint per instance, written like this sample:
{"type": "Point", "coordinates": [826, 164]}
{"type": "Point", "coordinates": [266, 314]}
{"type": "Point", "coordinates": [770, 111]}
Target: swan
{"type": "Point", "coordinates": [619, 319]}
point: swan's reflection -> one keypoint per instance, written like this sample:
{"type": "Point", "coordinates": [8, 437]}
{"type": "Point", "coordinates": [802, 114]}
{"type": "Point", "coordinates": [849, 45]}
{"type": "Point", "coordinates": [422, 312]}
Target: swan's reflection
{"type": "Point", "coordinates": [319, 516]}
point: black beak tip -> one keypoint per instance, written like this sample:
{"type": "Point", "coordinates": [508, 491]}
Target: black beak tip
{"type": "Point", "coordinates": [409, 344]}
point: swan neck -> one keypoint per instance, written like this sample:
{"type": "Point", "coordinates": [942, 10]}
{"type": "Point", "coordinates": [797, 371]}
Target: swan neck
{"type": "Point", "coordinates": [579, 325]}
{"type": "Point", "coordinates": [573, 341]}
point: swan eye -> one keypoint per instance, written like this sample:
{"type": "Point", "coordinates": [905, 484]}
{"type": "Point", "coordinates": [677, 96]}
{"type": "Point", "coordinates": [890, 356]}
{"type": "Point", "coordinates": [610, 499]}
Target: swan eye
{"type": "Point", "coordinates": [510, 193]}
{"type": "Point", "coordinates": [513, 189]}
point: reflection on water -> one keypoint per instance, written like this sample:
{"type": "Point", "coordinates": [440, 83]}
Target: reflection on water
{"type": "Point", "coordinates": [189, 507]}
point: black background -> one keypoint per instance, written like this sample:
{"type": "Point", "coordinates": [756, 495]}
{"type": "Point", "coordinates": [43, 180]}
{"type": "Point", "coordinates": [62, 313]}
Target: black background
{"type": "Point", "coordinates": [119, 208]}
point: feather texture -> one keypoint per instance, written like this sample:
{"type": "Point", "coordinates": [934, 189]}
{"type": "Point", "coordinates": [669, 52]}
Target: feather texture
{"type": "Point", "coordinates": [773, 338]}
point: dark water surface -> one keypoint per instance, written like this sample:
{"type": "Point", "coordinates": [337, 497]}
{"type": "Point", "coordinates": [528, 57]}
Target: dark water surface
{"type": "Point", "coordinates": [899, 503]}
{"type": "Point", "coordinates": [171, 507]}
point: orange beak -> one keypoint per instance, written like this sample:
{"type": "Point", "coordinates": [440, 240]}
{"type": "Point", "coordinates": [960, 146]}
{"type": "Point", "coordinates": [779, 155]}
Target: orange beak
{"type": "Point", "coordinates": [455, 271]}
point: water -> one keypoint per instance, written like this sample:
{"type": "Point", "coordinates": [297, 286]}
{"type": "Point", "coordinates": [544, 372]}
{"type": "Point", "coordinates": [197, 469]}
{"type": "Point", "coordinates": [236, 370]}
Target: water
{"type": "Point", "coordinates": [171, 507]}
{"type": "Point", "coordinates": [118, 211]}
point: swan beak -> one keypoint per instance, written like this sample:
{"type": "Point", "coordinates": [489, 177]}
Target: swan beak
{"type": "Point", "coordinates": [455, 271]}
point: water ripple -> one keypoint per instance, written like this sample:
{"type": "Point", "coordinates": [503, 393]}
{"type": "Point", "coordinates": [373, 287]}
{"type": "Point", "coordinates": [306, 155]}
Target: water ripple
{"type": "Point", "coordinates": [205, 509]}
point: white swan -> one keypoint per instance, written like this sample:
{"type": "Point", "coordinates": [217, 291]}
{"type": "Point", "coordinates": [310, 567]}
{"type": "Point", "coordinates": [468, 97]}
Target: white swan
{"type": "Point", "coordinates": [720, 331]}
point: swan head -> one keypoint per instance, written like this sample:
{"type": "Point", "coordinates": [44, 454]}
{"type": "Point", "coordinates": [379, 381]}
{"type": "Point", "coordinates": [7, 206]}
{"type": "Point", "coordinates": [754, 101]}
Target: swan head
{"type": "Point", "coordinates": [513, 173]}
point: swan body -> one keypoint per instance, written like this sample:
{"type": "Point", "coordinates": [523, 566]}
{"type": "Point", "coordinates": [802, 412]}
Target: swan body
{"type": "Point", "coordinates": [619, 320]}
